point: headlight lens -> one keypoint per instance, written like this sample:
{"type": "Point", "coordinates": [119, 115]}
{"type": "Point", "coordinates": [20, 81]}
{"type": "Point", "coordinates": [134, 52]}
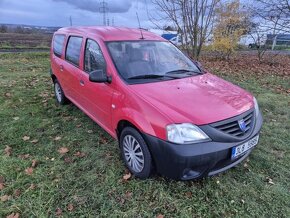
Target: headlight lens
{"type": "Point", "coordinates": [185, 133]}
{"type": "Point", "coordinates": [257, 110]}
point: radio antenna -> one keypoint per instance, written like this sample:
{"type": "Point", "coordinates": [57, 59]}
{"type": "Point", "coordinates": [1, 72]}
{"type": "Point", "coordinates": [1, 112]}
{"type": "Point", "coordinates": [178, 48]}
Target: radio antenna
{"type": "Point", "coordinates": [142, 37]}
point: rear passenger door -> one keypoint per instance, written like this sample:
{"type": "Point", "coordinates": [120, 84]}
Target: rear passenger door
{"type": "Point", "coordinates": [98, 96]}
{"type": "Point", "coordinates": [71, 68]}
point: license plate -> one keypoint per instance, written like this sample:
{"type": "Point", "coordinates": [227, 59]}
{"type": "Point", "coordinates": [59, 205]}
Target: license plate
{"type": "Point", "coordinates": [241, 149]}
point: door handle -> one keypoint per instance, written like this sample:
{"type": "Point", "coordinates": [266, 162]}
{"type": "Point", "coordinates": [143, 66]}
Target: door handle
{"type": "Point", "coordinates": [82, 83]}
{"type": "Point", "coordinates": [61, 68]}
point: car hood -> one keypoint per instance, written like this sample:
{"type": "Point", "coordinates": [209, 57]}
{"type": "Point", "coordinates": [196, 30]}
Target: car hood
{"type": "Point", "coordinates": [200, 99]}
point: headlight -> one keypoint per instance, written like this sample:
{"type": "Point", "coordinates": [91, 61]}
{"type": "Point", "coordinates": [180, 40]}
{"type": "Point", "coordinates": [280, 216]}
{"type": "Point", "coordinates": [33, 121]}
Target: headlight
{"type": "Point", "coordinates": [257, 110]}
{"type": "Point", "coordinates": [185, 133]}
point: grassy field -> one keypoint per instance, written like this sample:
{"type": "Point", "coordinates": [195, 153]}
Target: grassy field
{"type": "Point", "coordinates": [55, 161]}
{"type": "Point", "coordinates": [24, 41]}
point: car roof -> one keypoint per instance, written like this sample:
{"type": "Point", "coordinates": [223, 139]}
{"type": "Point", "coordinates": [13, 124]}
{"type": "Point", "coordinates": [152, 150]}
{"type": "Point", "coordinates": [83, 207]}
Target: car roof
{"type": "Point", "coordinates": [109, 33]}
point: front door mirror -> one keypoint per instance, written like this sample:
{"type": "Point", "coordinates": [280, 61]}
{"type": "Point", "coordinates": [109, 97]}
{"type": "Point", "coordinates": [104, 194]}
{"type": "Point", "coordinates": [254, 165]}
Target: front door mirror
{"type": "Point", "coordinates": [99, 76]}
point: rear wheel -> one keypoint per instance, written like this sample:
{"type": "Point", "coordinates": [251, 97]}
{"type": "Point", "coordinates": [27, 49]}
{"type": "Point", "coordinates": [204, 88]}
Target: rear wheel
{"type": "Point", "coordinates": [135, 153]}
{"type": "Point", "coordinates": [59, 94]}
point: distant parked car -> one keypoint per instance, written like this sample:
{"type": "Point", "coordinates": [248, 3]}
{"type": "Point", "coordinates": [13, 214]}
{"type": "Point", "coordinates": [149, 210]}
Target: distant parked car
{"type": "Point", "coordinates": [165, 110]}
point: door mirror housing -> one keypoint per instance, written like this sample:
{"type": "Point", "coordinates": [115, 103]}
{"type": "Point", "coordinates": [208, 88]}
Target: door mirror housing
{"type": "Point", "coordinates": [99, 76]}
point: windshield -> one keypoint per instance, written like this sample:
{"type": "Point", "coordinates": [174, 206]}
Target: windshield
{"type": "Point", "coordinates": [150, 61]}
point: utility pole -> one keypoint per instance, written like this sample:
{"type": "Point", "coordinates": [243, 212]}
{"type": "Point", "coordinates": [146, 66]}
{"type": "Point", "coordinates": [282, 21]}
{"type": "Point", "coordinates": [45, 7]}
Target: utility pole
{"type": "Point", "coordinates": [70, 20]}
{"type": "Point", "coordinates": [103, 10]}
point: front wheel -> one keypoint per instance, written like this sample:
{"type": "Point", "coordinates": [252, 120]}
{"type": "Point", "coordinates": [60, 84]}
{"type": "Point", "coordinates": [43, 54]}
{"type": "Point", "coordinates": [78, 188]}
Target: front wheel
{"type": "Point", "coordinates": [135, 153]}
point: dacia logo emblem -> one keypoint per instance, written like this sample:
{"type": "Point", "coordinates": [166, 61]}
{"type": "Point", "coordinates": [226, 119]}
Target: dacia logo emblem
{"type": "Point", "coordinates": [242, 125]}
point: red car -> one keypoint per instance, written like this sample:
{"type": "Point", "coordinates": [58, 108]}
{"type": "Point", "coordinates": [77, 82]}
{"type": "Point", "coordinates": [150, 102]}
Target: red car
{"type": "Point", "coordinates": [167, 113]}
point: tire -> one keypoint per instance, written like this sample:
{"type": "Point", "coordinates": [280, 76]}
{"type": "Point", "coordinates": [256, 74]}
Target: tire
{"type": "Point", "coordinates": [59, 94]}
{"type": "Point", "coordinates": [141, 163]}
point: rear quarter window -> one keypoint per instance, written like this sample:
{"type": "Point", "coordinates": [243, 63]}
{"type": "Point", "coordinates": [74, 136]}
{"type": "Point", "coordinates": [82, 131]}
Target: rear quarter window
{"type": "Point", "coordinates": [73, 50]}
{"type": "Point", "coordinates": [58, 41]}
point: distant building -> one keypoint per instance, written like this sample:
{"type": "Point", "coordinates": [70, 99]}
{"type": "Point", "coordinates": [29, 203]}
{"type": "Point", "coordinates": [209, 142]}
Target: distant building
{"type": "Point", "coordinates": [278, 40]}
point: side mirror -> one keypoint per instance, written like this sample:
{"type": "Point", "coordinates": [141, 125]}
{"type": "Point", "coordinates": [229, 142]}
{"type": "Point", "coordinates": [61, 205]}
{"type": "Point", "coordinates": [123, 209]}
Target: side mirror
{"type": "Point", "coordinates": [99, 76]}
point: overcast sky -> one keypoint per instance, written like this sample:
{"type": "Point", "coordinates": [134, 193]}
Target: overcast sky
{"type": "Point", "coordinates": [83, 12]}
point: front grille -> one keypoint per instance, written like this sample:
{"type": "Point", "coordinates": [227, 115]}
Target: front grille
{"type": "Point", "coordinates": [232, 126]}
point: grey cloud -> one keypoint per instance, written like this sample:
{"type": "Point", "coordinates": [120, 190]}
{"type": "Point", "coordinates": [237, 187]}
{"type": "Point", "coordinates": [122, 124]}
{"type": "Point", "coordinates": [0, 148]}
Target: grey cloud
{"type": "Point", "coordinates": [113, 6]}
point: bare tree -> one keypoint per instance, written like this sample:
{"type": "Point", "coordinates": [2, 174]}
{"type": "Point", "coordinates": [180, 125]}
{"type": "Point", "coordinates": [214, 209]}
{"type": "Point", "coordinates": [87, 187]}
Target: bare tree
{"type": "Point", "coordinates": [275, 15]}
{"type": "Point", "coordinates": [192, 18]}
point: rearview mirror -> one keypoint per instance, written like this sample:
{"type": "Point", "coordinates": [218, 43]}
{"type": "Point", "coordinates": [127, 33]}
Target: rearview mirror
{"type": "Point", "coordinates": [99, 76]}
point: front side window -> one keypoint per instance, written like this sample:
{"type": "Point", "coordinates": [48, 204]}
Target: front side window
{"type": "Point", "coordinates": [73, 50]}
{"type": "Point", "coordinates": [58, 41]}
{"type": "Point", "coordinates": [150, 61]}
{"type": "Point", "coordinates": [94, 59]}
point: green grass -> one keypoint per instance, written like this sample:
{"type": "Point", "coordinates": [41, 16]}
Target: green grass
{"type": "Point", "coordinates": [94, 184]}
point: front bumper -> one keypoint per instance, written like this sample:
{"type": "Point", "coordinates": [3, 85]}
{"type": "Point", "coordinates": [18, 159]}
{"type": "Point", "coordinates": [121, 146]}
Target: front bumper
{"type": "Point", "coordinates": [193, 161]}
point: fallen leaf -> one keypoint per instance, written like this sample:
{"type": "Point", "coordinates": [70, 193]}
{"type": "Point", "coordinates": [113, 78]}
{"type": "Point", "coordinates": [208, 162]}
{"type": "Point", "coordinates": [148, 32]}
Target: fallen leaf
{"type": "Point", "coordinates": [160, 216]}
{"type": "Point", "coordinates": [70, 207]}
{"type": "Point", "coordinates": [188, 194]}
{"type": "Point", "coordinates": [26, 138]}
{"type": "Point", "coordinates": [17, 193]}
{"type": "Point", "coordinates": [5, 198]}
{"type": "Point", "coordinates": [15, 118]}
{"type": "Point", "coordinates": [34, 163]}
{"type": "Point", "coordinates": [24, 156]}
{"type": "Point", "coordinates": [79, 125]}
{"type": "Point", "coordinates": [8, 94]}
{"type": "Point", "coordinates": [1, 186]}
{"type": "Point", "coordinates": [68, 160]}
{"type": "Point", "coordinates": [29, 171]}
{"type": "Point", "coordinates": [13, 215]}
{"type": "Point", "coordinates": [58, 212]}
{"type": "Point", "coordinates": [90, 131]}
{"type": "Point", "coordinates": [32, 186]}
{"type": "Point", "coordinates": [127, 176]}
{"type": "Point", "coordinates": [2, 180]}
{"type": "Point", "coordinates": [128, 194]}
{"type": "Point", "coordinates": [57, 138]}
{"type": "Point", "coordinates": [34, 141]}
{"type": "Point", "coordinates": [8, 150]}
{"type": "Point", "coordinates": [63, 150]}
{"type": "Point", "coordinates": [79, 154]}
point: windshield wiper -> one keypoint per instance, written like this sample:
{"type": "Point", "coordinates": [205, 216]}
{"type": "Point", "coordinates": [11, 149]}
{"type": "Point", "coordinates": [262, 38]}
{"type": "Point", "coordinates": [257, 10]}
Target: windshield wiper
{"type": "Point", "coordinates": [181, 71]}
{"type": "Point", "coordinates": [149, 76]}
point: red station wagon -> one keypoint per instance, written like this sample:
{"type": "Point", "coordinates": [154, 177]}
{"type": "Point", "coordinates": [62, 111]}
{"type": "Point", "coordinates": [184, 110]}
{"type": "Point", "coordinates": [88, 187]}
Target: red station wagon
{"type": "Point", "coordinates": [166, 111]}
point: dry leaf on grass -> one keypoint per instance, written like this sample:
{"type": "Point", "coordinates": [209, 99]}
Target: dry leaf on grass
{"type": "Point", "coordinates": [32, 186]}
{"type": "Point", "coordinates": [29, 171]}
{"type": "Point", "coordinates": [5, 198]}
{"type": "Point", "coordinates": [160, 216]}
{"type": "Point", "coordinates": [127, 176]}
{"type": "Point", "coordinates": [8, 150]}
{"type": "Point", "coordinates": [70, 207]}
{"type": "Point", "coordinates": [15, 118]}
{"type": "Point", "coordinates": [34, 141]}
{"type": "Point", "coordinates": [57, 138]}
{"type": "Point", "coordinates": [1, 186]}
{"type": "Point", "coordinates": [17, 193]}
{"type": "Point", "coordinates": [63, 150]}
{"type": "Point", "coordinates": [24, 156]}
{"type": "Point", "coordinates": [34, 163]}
{"type": "Point", "coordinates": [58, 212]}
{"type": "Point", "coordinates": [79, 154]}
{"type": "Point", "coordinates": [13, 215]}
{"type": "Point", "coordinates": [90, 131]}
{"type": "Point", "coordinates": [26, 138]}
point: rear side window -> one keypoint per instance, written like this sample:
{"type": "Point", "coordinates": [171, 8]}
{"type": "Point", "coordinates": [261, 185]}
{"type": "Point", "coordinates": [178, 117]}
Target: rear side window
{"type": "Point", "coordinates": [58, 44]}
{"type": "Point", "coordinates": [73, 50]}
{"type": "Point", "coordinates": [94, 59]}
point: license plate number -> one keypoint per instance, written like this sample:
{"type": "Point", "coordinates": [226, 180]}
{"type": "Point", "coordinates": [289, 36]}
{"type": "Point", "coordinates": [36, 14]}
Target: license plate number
{"type": "Point", "coordinates": [241, 149]}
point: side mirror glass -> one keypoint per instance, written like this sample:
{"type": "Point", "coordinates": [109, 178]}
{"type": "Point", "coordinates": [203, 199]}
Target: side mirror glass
{"type": "Point", "coordinates": [99, 76]}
